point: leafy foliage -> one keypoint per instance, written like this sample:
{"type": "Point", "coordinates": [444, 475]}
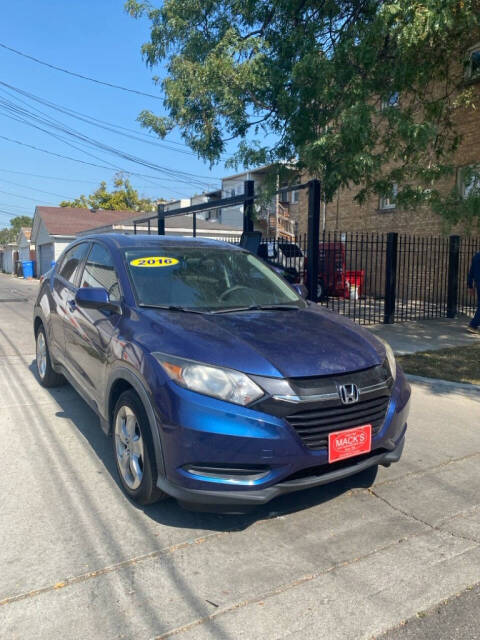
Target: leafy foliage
{"type": "Point", "coordinates": [122, 197]}
{"type": "Point", "coordinates": [312, 81]}
{"type": "Point", "coordinates": [9, 234]}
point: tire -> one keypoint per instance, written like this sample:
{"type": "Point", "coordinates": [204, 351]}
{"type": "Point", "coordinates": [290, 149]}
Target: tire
{"type": "Point", "coordinates": [320, 291]}
{"type": "Point", "coordinates": [133, 450]}
{"type": "Point", "coordinates": [48, 377]}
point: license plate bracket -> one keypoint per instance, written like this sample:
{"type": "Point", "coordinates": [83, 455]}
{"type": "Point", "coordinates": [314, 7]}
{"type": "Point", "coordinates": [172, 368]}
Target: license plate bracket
{"type": "Point", "coordinates": [349, 443]}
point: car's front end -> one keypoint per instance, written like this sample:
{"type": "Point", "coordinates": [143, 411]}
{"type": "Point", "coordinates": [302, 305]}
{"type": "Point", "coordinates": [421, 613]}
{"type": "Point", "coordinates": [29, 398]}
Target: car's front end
{"type": "Point", "coordinates": [221, 454]}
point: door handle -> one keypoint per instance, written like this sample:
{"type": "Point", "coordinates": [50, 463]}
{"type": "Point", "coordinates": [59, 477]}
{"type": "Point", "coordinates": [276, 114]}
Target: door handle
{"type": "Point", "coordinates": [71, 305]}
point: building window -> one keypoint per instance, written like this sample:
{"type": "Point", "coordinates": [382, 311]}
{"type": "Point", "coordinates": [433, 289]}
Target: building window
{"type": "Point", "coordinates": [391, 101]}
{"type": "Point", "coordinates": [294, 196]}
{"type": "Point", "coordinates": [388, 203]}
{"type": "Point", "coordinates": [469, 181]}
{"type": "Point", "coordinates": [472, 67]}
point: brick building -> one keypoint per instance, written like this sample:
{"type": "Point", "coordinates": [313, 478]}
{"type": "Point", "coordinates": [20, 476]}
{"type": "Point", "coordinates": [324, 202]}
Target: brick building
{"type": "Point", "coordinates": [383, 215]}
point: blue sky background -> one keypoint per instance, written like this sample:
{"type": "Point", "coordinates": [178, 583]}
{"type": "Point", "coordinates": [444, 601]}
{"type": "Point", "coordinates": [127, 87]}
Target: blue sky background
{"type": "Point", "coordinates": [98, 39]}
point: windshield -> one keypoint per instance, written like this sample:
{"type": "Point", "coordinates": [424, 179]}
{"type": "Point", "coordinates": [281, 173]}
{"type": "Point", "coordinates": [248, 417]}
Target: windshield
{"type": "Point", "coordinates": [205, 279]}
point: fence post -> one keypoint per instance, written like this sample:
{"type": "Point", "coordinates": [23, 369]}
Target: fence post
{"type": "Point", "coordinates": [161, 219]}
{"type": "Point", "coordinates": [390, 278]}
{"type": "Point", "coordinates": [453, 263]}
{"type": "Point", "coordinates": [313, 238]}
{"type": "Point", "coordinates": [249, 193]}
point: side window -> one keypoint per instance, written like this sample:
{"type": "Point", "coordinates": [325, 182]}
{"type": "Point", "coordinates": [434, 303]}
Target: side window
{"type": "Point", "coordinates": [72, 261]}
{"type": "Point", "coordinates": [100, 272]}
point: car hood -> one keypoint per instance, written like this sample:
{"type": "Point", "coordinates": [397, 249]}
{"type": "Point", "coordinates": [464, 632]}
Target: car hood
{"type": "Point", "coordinates": [303, 343]}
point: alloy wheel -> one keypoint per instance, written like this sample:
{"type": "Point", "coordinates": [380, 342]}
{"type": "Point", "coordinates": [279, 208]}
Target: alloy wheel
{"type": "Point", "coordinates": [129, 447]}
{"type": "Point", "coordinates": [41, 355]}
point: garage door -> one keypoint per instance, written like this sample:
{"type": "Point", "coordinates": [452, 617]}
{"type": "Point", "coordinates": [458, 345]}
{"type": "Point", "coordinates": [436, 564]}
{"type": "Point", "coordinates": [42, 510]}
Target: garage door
{"type": "Point", "coordinates": [45, 257]}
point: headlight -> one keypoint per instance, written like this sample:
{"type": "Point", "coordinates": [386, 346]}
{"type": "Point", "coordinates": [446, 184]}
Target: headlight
{"type": "Point", "coordinates": [225, 384]}
{"type": "Point", "coordinates": [392, 363]}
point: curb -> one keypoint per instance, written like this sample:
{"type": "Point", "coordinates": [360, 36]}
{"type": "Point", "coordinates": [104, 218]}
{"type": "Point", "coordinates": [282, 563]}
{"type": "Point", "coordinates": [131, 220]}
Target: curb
{"type": "Point", "coordinates": [466, 386]}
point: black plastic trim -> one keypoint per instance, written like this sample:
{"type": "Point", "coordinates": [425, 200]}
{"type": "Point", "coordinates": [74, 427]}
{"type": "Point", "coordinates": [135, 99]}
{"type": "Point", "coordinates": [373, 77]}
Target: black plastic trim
{"type": "Point", "coordinates": [193, 497]}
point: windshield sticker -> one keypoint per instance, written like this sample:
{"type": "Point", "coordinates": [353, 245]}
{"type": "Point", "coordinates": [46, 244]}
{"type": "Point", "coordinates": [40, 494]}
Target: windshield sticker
{"type": "Point", "coordinates": [154, 261]}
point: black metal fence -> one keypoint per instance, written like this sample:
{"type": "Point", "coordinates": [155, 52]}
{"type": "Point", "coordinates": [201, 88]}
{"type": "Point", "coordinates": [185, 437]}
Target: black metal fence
{"type": "Point", "coordinates": [384, 278]}
{"type": "Point", "coordinates": [369, 277]}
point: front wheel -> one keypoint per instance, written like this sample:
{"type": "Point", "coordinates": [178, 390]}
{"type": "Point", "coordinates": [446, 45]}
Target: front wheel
{"type": "Point", "coordinates": [133, 450]}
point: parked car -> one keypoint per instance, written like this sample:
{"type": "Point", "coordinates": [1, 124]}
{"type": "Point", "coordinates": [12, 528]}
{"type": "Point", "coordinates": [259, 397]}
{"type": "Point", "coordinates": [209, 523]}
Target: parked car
{"type": "Point", "coordinates": [219, 384]}
{"type": "Point", "coordinates": [286, 254]}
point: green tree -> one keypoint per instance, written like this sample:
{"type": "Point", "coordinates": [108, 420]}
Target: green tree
{"type": "Point", "coordinates": [316, 82]}
{"type": "Point", "coordinates": [122, 197]}
{"type": "Point", "coordinates": [9, 234]}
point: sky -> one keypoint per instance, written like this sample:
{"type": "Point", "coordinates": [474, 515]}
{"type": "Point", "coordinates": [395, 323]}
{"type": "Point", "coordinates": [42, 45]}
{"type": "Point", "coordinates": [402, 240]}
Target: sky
{"type": "Point", "coordinates": [97, 39]}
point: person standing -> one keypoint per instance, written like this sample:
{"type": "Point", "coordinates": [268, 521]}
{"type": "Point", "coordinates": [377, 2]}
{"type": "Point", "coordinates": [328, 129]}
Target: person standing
{"type": "Point", "coordinates": [474, 281]}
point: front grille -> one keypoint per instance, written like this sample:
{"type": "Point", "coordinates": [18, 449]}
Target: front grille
{"type": "Point", "coordinates": [314, 425]}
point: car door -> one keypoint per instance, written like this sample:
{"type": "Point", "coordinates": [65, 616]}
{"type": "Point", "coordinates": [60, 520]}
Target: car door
{"type": "Point", "coordinates": [62, 291]}
{"type": "Point", "coordinates": [88, 336]}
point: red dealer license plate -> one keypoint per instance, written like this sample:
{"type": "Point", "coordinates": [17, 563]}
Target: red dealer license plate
{"type": "Point", "coordinates": [349, 443]}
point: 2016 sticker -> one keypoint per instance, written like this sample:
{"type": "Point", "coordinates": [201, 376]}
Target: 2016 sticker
{"type": "Point", "coordinates": [154, 261]}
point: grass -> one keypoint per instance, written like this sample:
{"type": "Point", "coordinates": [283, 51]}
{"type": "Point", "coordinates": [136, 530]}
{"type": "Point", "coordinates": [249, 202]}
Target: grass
{"type": "Point", "coordinates": [458, 364]}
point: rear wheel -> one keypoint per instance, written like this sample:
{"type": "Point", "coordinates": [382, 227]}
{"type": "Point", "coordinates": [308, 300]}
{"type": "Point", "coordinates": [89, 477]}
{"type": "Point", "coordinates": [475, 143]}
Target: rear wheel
{"type": "Point", "coordinates": [48, 377]}
{"type": "Point", "coordinates": [133, 450]}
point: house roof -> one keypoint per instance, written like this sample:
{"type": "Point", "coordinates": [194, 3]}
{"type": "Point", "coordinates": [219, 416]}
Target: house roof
{"type": "Point", "coordinates": [68, 221]}
{"type": "Point", "coordinates": [173, 223]}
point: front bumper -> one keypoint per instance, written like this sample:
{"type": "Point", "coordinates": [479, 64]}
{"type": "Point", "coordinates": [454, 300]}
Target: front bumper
{"type": "Point", "coordinates": [195, 497]}
{"type": "Point", "coordinates": [204, 432]}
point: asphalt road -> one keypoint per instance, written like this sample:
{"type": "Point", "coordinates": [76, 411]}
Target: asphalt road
{"type": "Point", "coordinates": [352, 560]}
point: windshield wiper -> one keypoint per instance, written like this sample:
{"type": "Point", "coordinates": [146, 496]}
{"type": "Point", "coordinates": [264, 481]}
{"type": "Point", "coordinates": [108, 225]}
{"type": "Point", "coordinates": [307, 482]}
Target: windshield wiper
{"type": "Point", "coordinates": [170, 307]}
{"type": "Point", "coordinates": [260, 307]}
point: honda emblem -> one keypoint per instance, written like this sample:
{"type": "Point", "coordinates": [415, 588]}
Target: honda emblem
{"type": "Point", "coordinates": [348, 393]}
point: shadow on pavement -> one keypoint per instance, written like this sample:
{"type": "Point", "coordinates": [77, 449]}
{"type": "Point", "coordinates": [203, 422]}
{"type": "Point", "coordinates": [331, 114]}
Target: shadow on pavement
{"type": "Point", "coordinates": [169, 512]}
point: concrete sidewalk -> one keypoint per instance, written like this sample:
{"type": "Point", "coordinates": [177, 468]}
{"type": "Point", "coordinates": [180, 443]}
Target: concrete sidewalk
{"type": "Point", "coordinates": [426, 335]}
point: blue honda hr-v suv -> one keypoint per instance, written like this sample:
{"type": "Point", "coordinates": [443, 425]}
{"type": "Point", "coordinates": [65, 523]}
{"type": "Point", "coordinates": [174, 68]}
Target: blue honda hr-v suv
{"type": "Point", "coordinates": [219, 384]}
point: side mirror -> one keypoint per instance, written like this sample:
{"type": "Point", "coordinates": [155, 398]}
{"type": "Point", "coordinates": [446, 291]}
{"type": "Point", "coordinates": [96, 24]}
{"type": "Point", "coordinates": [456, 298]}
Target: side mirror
{"type": "Point", "coordinates": [301, 289]}
{"type": "Point", "coordinates": [96, 298]}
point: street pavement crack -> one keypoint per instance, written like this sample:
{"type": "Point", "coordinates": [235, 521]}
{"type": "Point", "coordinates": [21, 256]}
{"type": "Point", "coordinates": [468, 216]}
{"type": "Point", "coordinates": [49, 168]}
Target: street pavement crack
{"type": "Point", "coordinates": [284, 587]}
{"type": "Point", "coordinates": [426, 470]}
{"type": "Point", "coordinates": [411, 516]}
{"type": "Point", "coordinates": [67, 582]}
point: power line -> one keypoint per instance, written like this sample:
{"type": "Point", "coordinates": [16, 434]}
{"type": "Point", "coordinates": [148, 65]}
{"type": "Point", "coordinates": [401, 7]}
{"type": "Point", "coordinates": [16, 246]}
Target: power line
{"type": "Point", "coordinates": [37, 175]}
{"type": "Point", "coordinates": [114, 128]}
{"type": "Point", "coordinates": [52, 153]}
{"type": "Point", "coordinates": [14, 195]}
{"type": "Point", "coordinates": [78, 75]}
{"type": "Point", "coordinates": [24, 186]}
{"type": "Point", "coordinates": [19, 111]}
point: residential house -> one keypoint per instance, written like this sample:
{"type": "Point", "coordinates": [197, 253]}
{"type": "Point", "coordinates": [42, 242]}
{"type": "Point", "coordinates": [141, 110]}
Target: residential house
{"type": "Point", "coordinates": [279, 217]}
{"type": "Point", "coordinates": [54, 228]}
{"type": "Point", "coordinates": [383, 214]}
{"type": "Point", "coordinates": [26, 248]}
{"type": "Point", "coordinates": [181, 225]}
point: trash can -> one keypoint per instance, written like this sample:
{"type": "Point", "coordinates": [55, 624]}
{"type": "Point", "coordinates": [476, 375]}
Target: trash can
{"type": "Point", "coordinates": [27, 266]}
{"type": "Point", "coordinates": [355, 283]}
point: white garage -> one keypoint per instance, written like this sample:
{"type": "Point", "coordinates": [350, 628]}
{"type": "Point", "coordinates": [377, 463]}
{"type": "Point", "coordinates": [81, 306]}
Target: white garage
{"type": "Point", "coordinates": [10, 256]}
{"type": "Point", "coordinates": [45, 257]}
{"type": "Point", "coordinates": [54, 228]}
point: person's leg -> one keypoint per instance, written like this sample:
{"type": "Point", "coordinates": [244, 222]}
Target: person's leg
{"type": "Point", "coordinates": [475, 323]}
